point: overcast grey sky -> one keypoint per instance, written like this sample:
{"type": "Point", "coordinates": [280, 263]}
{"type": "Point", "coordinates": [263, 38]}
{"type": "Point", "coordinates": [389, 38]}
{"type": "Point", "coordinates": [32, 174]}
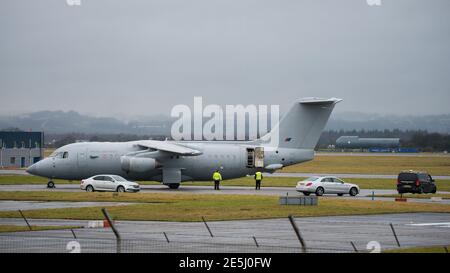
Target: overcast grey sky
{"type": "Point", "coordinates": [141, 57]}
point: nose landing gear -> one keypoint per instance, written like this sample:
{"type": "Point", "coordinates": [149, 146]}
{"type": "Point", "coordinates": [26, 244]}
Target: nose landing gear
{"type": "Point", "coordinates": [50, 184]}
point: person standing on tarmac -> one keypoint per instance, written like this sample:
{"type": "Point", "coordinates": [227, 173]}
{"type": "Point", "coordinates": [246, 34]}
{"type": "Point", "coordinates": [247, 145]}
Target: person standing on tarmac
{"type": "Point", "coordinates": [217, 177]}
{"type": "Point", "coordinates": [258, 179]}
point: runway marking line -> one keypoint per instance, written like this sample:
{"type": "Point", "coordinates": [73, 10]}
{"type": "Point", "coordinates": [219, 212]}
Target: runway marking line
{"type": "Point", "coordinates": [443, 224]}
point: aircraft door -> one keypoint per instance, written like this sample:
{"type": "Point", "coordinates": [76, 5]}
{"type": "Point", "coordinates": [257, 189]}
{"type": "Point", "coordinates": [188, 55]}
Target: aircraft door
{"type": "Point", "coordinates": [259, 157]}
{"type": "Point", "coordinates": [82, 159]}
{"type": "Point", "coordinates": [255, 157]}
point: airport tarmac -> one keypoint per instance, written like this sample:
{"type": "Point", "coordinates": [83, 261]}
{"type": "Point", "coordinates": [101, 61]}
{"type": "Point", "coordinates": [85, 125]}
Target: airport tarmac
{"type": "Point", "coordinates": [13, 172]}
{"type": "Point", "coordinates": [321, 234]}
{"type": "Point", "coordinates": [365, 194]}
{"type": "Point", "coordinates": [348, 175]}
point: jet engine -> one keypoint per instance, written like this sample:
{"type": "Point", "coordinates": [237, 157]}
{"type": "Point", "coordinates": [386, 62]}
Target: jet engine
{"type": "Point", "coordinates": [138, 164]}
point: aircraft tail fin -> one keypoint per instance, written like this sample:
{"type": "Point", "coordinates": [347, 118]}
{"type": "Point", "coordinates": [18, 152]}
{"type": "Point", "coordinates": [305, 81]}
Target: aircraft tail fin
{"type": "Point", "coordinates": [302, 125]}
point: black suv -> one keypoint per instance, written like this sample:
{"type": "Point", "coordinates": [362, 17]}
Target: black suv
{"type": "Point", "coordinates": [415, 182]}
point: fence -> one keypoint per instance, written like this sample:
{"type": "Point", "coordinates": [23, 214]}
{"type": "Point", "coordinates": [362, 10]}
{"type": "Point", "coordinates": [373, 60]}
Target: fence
{"type": "Point", "coordinates": [14, 244]}
{"type": "Point", "coordinates": [279, 236]}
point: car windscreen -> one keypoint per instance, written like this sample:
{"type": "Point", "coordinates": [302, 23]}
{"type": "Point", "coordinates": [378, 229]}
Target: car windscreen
{"type": "Point", "coordinates": [119, 178]}
{"type": "Point", "coordinates": [407, 177]}
{"type": "Point", "coordinates": [424, 177]}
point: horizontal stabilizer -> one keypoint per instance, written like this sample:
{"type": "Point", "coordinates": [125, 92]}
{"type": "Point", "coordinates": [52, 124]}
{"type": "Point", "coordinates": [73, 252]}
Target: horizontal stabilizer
{"type": "Point", "coordinates": [318, 101]}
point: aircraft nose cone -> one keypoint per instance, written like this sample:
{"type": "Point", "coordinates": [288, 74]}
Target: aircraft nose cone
{"type": "Point", "coordinates": [32, 169]}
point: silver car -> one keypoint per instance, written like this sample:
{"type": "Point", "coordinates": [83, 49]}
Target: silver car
{"type": "Point", "coordinates": [106, 182]}
{"type": "Point", "coordinates": [321, 185]}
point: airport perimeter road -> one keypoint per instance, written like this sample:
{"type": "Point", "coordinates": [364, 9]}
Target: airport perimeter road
{"type": "Point", "coordinates": [321, 234]}
{"type": "Point", "coordinates": [274, 191]}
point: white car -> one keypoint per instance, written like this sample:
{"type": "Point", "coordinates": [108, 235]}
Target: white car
{"type": "Point", "coordinates": [321, 185]}
{"type": "Point", "coordinates": [105, 182]}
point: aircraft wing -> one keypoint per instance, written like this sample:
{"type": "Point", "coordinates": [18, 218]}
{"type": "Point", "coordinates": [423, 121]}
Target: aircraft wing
{"type": "Point", "coordinates": [168, 147]}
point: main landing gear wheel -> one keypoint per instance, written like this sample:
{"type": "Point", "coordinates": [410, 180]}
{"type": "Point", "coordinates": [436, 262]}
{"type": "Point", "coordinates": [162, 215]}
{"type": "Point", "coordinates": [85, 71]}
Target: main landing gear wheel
{"type": "Point", "coordinates": [173, 186]}
{"type": "Point", "coordinates": [50, 185]}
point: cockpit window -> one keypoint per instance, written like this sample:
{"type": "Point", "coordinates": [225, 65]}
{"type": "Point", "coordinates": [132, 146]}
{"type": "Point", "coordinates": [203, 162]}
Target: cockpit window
{"type": "Point", "coordinates": [60, 155]}
{"type": "Point", "coordinates": [57, 155]}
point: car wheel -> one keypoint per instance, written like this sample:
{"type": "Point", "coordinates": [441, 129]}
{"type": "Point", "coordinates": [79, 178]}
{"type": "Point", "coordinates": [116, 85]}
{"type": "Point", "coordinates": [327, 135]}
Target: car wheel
{"type": "Point", "coordinates": [90, 188]}
{"type": "Point", "coordinates": [120, 189]}
{"type": "Point", "coordinates": [353, 191]}
{"type": "Point", "coordinates": [340, 194]}
{"type": "Point", "coordinates": [306, 193]}
{"type": "Point", "coordinates": [320, 191]}
{"type": "Point", "coordinates": [420, 191]}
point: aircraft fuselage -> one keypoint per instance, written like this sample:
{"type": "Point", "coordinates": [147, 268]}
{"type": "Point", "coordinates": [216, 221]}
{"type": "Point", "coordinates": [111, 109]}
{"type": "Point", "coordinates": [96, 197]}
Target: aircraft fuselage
{"type": "Point", "coordinates": [83, 160]}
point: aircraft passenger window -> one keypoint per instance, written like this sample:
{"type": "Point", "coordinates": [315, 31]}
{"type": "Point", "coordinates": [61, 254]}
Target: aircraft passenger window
{"type": "Point", "coordinates": [65, 155]}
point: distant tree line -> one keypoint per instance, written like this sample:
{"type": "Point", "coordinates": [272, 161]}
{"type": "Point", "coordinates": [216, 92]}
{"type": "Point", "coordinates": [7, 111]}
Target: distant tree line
{"type": "Point", "coordinates": [423, 140]}
{"type": "Point", "coordinates": [429, 141]}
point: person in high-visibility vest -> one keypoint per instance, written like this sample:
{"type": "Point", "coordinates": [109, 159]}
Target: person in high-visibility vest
{"type": "Point", "coordinates": [217, 177]}
{"type": "Point", "coordinates": [258, 179]}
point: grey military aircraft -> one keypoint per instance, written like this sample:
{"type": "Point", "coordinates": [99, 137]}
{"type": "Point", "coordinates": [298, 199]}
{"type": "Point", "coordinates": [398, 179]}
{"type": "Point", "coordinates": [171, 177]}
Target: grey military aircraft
{"type": "Point", "coordinates": [291, 141]}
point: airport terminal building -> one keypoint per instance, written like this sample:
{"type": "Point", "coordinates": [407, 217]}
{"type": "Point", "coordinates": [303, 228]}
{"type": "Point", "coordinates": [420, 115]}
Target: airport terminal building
{"type": "Point", "coordinates": [20, 149]}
